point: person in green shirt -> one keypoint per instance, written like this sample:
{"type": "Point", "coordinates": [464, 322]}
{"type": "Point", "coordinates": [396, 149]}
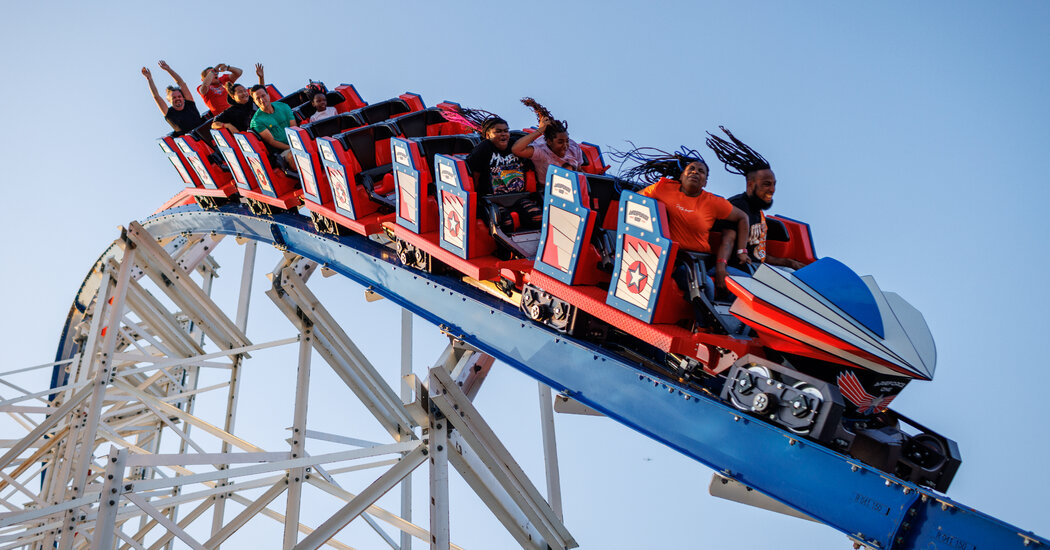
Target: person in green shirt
{"type": "Point", "coordinates": [270, 121]}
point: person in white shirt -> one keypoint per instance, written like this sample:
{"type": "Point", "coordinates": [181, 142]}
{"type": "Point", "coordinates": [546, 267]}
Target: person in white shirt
{"type": "Point", "coordinates": [549, 144]}
{"type": "Point", "coordinates": [320, 104]}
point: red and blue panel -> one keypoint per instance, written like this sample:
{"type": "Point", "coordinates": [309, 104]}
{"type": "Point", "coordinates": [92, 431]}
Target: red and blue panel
{"type": "Point", "coordinates": [409, 194]}
{"type": "Point", "coordinates": [254, 158]}
{"type": "Point", "coordinates": [642, 255]}
{"type": "Point", "coordinates": [304, 151]}
{"type": "Point", "coordinates": [167, 144]}
{"type": "Point", "coordinates": [195, 162]}
{"type": "Point", "coordinates": [565, 220]}
{"type": "Point", "coordinates": [234, 158]}
{"type": "Point", "coordinates": [338, 175]}
{"type": "Point", "coordinates": [456, 207]}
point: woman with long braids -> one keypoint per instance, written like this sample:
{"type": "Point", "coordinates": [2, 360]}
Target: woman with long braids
{"type": "Point", "coordinates": [497, 171]}
{"type": "Point", "coordinates": [555, 148]}
{"type": "Point", "coordinates": [678, 180]}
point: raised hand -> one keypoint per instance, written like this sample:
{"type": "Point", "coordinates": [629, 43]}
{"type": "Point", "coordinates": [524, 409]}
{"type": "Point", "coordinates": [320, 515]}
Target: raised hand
{"type": "Point", "coordinates": [163, 65]}
{"type": "Point", "coordinates": [259, 70]}
{"type": "Point", "coordinates": [146, 73]}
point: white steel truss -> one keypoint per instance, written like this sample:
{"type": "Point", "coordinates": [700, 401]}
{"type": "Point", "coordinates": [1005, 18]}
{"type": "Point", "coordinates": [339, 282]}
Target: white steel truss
{"type": "Point", "coordinates": [118, 454]}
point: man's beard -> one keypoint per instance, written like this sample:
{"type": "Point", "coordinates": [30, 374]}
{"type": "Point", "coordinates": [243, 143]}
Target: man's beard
{"type": "Point", "coordinates": [761, 204]}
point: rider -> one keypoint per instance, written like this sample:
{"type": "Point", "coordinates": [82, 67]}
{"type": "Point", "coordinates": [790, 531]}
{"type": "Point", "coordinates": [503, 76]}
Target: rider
{"type": "Point", "coordinates": [182, 115]}
{"type": "Point", "coordinates": [761, 183]}
{"type": "Point", "coordinates": [680, 179]}
{"type": "Point", "coordinates": [498, 171]}
{"type": "Point", "coordinates": [555, 148]}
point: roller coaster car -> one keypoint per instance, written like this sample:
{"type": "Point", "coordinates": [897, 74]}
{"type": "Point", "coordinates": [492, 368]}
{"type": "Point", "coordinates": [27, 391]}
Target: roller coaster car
{"type": "Point", "coordinates": [302, 141]}
{"type": "Point", "coordinates": [820, 351]}
{"type": "Point", "coordinates": [274, 185]}
{"type": "Point", "coordinates": [429, 234]}
{"type": "Point", "coordinates": [360, 176]}
{"type": "Point", "coordinates": [319, 194]}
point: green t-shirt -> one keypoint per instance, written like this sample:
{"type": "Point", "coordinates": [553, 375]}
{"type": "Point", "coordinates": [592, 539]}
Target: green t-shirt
{"type": "Point", "coordinates": [275, 122]}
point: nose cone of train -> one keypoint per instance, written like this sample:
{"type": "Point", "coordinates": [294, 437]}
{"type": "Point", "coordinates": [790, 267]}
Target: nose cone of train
{"type": "Point", "coordinates": [826, 311]}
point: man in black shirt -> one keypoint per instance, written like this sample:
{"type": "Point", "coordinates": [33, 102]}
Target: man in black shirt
{"type": "Point", "coordinates": [761, 184]}
{"type": "Point", "coordinates": [739, 158]}
{"type": "Point", "coordinates": [182, 115]}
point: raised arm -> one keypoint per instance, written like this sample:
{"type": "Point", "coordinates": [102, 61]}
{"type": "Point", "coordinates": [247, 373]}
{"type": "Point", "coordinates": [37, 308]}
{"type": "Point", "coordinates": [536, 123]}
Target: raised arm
{"type": "Point", "coordinates": [259, 72]}
{"type": "Point", "coordinates": [153, 89]}
{"type": "Point", "coordinates": [235, 73]}
{"type": "Point", "coordinates": [186, 93]}
{"type": "Point", "coordinates": [523, 147]}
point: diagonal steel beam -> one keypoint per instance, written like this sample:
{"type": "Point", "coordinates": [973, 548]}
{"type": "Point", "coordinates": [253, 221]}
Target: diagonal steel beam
{"type": "Point", "coordinates": [297, 302]}
{"type": "Point", "coordinates": [181, 289]}
{"type": "Point", "coordinates": [363, 500]}
{"type": "Point", "coordinates": [465, 418]}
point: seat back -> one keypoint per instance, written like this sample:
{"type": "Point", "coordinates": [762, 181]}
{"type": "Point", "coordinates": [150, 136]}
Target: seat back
{"type": "Point", "coordinates": [340, 168]}
{"type": "Point", "coordinates": [351, 99]}
{"type": "Point", "coordinates": [428, 122]}
{"type": "Point", "coordinates": [334, 125]}
{"type": "Point", "coordinates": [227, 146]}
{"type": "Point", "coordinates": [370, 144]}
{"type": "Point", "coordinates": [593, 163]}
{"type": "Point", "coordinates": [462, 232]}
{"type": "Point", "coordinates": [203, 132]}
{"type": "Point", "coordinates": [415, 207]}
{"type": "Point", "coordinates": [384, 110]}
{"type": "Point", "coordinates": [799, 245]}
{"type": "Point", "coordinates": [565, 251]}
{"type": "Point", "coordinates": [294, 99]}
{"type": "Point", "coordinates": [196, 154]}
{"type": "Point", "coordinates": [641, 281]}
{"type": "Point", "coordinates": [304, 150]}
{"type": "Point", "coordinates": [268, 180]}
{"type": "Point", "coordinates": [167, 144]}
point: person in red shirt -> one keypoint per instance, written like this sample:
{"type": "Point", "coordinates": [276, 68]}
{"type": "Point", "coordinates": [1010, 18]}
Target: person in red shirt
{"type": "Point", "coordinates": [213, 86]}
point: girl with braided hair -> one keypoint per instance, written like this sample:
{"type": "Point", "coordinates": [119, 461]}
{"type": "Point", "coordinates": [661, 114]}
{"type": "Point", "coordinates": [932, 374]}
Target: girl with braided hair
{"type": "Point", "coordinates": [678, 180]}
{"type": "Point", "coordinates": [555, 147]}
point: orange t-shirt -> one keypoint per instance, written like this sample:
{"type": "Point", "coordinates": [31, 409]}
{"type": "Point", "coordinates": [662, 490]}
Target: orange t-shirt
{"type": "Point", "coordinates": [690, 218]}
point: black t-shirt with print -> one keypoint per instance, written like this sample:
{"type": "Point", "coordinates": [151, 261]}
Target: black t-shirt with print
{"type": "Point", "coordinates": [761, 229]}
{"type": "Point", "coordinates": [500, 171]}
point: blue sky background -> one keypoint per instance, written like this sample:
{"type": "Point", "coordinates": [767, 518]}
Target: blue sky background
{"type": "Point", "coordinates": [910, 135]}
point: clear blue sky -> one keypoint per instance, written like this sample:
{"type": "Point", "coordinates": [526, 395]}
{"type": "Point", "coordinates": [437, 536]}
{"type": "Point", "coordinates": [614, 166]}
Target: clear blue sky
{"type": "Point", "coordinates": [909, 134]}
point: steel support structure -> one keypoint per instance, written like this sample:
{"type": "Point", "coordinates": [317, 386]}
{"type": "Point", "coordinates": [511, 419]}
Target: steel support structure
{"type": "Point", "coordinates": [119, 452]}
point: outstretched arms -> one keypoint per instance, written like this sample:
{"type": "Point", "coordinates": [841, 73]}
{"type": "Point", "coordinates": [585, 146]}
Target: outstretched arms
{"type": "Point", "coordinates": [186, 93]}
{"type": "Point", "coordinates": [153, 89]}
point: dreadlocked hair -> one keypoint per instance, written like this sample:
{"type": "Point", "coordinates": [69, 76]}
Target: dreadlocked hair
{"type": "Point", "coordinates": [653, 164]}
{"type": "Point", "coordinates": [478, 119]}
{"type": "Point", "coordinates": [736, 155]}
{"type": "Point", "coordinates": [554, 128]}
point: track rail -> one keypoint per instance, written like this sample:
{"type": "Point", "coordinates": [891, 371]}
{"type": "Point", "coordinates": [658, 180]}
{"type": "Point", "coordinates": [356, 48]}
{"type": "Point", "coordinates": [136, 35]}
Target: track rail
{"type": "Point", "coordinates": [871, 507]}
